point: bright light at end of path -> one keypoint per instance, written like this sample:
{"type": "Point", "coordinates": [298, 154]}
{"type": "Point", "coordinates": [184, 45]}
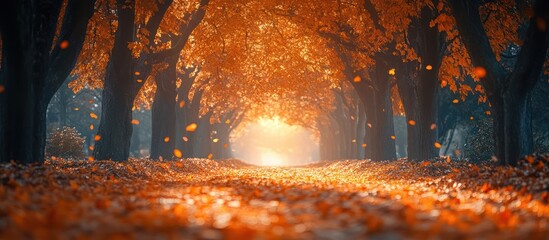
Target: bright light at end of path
{"type": "Point", "coordinates": [273, 142]}
{"type": "Point", "coordinates": [269, 158]}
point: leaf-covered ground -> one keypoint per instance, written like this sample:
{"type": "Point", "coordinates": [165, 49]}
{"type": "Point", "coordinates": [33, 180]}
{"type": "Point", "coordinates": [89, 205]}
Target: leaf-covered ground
{"type": "Point", "coordinates": [228, 199]}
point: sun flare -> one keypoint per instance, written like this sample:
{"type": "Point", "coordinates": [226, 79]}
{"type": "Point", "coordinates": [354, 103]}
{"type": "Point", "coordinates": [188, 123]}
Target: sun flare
{"type": "Point", "coordinates": [273, 142]}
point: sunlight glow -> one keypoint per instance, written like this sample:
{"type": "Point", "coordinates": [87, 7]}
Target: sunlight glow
{"type": "Point", "coordinates": [269, 158]}
{"type": "Point", "coordinates": [273, 142]}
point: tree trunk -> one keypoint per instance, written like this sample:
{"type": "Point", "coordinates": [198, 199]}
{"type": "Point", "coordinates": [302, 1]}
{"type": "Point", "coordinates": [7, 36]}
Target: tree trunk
{"type": "Point", "coordinates": [419, 91]}
{"type": "Point", "coordinates": [115, 128]}
{"type": "Point", "coordinates": [119, 91]}
{"type": "Point", "coordinates": [27, 31]}
{"type": "Point", "coordinates": [379, 115]}
{"type": "Point", "coordinates": [163, 113]}
{"type": "Point", "coordinates": [201, 140]}
{"type": "Point", "coordinates": [361, 131]}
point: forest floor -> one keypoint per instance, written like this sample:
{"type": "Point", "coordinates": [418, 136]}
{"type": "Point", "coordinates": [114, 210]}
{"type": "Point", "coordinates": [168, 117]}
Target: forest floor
{"type": "Point", "coordinates": [231, 200]}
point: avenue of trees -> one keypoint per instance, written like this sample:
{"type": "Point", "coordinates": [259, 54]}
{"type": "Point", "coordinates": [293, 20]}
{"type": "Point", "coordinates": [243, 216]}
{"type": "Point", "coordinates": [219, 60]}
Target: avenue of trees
{"type": "Point", "coordinates": [371, 78]}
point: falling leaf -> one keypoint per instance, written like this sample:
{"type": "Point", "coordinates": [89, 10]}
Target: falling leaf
{"type": "Point", "coordinates": [135, 122]}
{"type": "Point", "coordinates": [412, 122]}
{"type": "Point", "coordinates": [364, 145]}
{"type": "Point", "coordinates": [76, 109]}
{"type": "Point", "coordinates": [437, 145]}
{"type": "Point", "coordinates": [181, 104]}
{"type": "Point", "coordinates": [177, 153]}
{"type": "Point", "coordinates": [137, 73]}
{"type": "Point", "coordinates": [429, 67]}
{"type": "Point", "coordinates": [479, 72]}
{"type": "Point", "coordinates": [488, 112]}
{"type": "Point", "coordinates": [444, 83]}
{"type": "Point", "coordinates": [91, 159]}
{"type": "Point", "coordinates": [357, 79]}
{"type": "Point", "coordinates": [210, 156]}
{"type": "Point", "coordinates": [353, 141]}
{"type": "Point", "coordinates": [166, 139]}
{"type": "Point", "coordinates": [97, 138]}
{"type": "Point", "coordinates": [185, 139]}
{"type": "Point", "coordinates": [471, 118]}
{"type": "Point", "coordinates": [226, 145]}
{"type": "Point", "coordinates": [393, 137]}
{"type": "Point", "coordinates": [455, 101]}
{"type": "Point", "coordinates": [139, 80]}
{"type": "Point", "coordinates": [215, 140]}
{"type": "Point", "coordinates": [227, 121]}
{"type": "Point", "coordinates": [392, 71]}
{"type": "Point", "coordinates": [369, 125]}
{"type": "Point", "coordinates": [433, 126]}
{"type": "Point", "coordinates": [64, 44]}
{"type": "Point", "coordinates": [91, 147]}
{"type": "Point", "coordinates": [191, 127]}
{"type": "Point", "coordinates": [93, 115]}
{"type": "Point", "coordinates": [91, 127]}
{"type": "Point", "coordinates": [448, 159]}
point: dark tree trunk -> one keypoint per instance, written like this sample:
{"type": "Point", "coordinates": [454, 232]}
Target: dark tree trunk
{"type": "Point", "coordinates": [121, 83]}
{"type": "Point", "coordinates": [119, 91]}
{"type": "Point", "coordinates": [28, 29]}
{"type": "Point", "coordinates": [163, 113]}
{"type": "Point", "coordinates": [380, 116]}
{"type": "Point", "coordinates": [376, 97]}
{"type": "Point", "coordinates": [507, 91]}
{"type": "Point", "coordinates": [189, 115]}
{"type": "Point", "coordinates": [115, 130]}
{"type": "Point", "coordinates": [220, 148]}
{"type": "Point", "coordinates": [418, 86]}
{"type": "Point", "coordinates": [361, 131]}
{"type": "Point", "coordinates": [420, 105]}
{"type": "Point", "coordinates": [201, 141]}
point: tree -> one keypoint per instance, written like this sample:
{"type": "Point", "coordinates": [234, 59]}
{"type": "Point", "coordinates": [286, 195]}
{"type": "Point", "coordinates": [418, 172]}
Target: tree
{"type": "Point", "coordinates": [506, 90]}
{"type": "Point", "coordinates": [164, 105]}
{"type": "Point", "coordinates": [30, 40]}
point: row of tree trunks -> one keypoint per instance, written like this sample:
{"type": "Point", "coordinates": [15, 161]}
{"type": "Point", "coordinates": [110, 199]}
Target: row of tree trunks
{"type": "Point", "coordinates": [32, 71]}
{"type": "Point", "coordinates": [375, 95]}
{"type": "Point", "coordinates": [342, 131]}
{"type": "Point", "coordinates": [164, 112]}
{"type": "Point", "coordinates": [121, 85]}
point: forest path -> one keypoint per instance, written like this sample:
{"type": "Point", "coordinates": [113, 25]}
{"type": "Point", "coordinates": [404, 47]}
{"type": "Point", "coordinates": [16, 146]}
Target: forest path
{"type": "Point", "coordinates": [231, 200]}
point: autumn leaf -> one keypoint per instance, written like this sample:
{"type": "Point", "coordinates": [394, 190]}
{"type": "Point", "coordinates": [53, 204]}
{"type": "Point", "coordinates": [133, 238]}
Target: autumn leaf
{"type": "Point", "coordinates": [177, 153]}
{"type": "Point", "coordinates": [191, 127]}
{"type": "Point", "coordinates": [64, 44]}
